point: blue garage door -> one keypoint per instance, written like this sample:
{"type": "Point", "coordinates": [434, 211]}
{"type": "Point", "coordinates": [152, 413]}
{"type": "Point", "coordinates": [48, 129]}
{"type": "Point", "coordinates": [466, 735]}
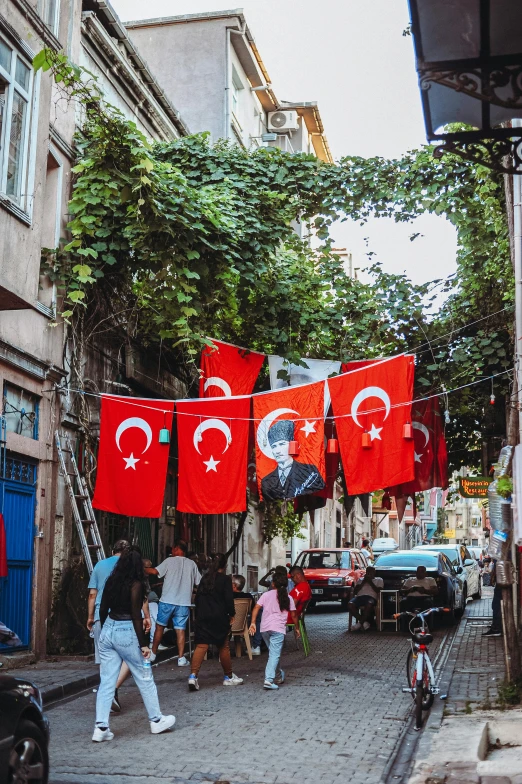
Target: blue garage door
{"type": "Point", "coordinates": [19, 499]}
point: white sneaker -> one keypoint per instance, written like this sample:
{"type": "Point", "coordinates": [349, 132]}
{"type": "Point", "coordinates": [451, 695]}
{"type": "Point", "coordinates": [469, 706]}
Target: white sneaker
{"type": "Point", "coordinates": [100, 735]}
{"type": "Point", "coordinates": [152, 657]}
{"type": "Point", "coordinates": [183, 662]}
{"type": "Point", "coordinates": [270, 685]}
{"type": "Point", "coordinates": [193, 683]}
{"type": "Point", "coordinates": [232, 681]}
{"type": "Point", "coordinates": [356, 627]}
{"type": "Point", "coordinates": [165, 723]}
{"type": "Point", "coordinates": [366, 626]}
{"type": "Point", "coordinates": [256, 651]}
{"type": "Point", "coordinates": [162, 647]}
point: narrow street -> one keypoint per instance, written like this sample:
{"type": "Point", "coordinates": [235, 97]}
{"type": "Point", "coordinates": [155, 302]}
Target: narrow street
{"type": "Point", "coordinates": [339, 716]}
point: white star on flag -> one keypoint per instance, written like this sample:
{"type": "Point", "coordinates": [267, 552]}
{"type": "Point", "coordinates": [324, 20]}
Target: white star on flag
{"type": "Point", "coordinates": [211, 464]}
{"type": "Point", "coordinates": [131, 461]}
{"type": "Point", "coordinates": [374, 432]}
{"type": "Point", "coordinates": [417, 457]}
{"type": "Point", "coordinates": [309, 427]}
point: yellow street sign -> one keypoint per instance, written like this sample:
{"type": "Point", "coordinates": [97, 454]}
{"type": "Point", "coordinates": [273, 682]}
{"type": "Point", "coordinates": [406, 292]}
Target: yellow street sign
{"type": "Point", "coordinates": [449, 533]}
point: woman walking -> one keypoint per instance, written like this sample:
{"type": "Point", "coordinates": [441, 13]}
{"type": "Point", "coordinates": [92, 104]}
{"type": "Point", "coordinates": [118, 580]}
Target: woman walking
{"type": "Point", "coordinates": [214, 614]}
{"type": "Point", "coordinates": [122, 639]}
{"type": "Point", "coordinates": [276, 605]}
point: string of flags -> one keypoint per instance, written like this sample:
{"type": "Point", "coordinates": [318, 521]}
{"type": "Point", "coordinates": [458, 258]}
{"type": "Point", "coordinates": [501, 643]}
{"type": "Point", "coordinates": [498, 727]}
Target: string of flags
{"type": "Point", "coordinates": [364, 417]}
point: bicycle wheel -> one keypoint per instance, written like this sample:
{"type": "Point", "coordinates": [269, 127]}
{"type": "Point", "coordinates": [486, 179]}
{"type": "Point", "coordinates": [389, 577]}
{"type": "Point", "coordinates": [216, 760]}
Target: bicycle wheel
{"type": "Point", "coordinates": [411, 674]}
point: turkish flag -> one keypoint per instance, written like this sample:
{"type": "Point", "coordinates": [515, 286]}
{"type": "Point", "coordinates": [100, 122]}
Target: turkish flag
{"type": "Point", "coordinates": [430, 453]}
{"type": "Point", "coordinates": [228, 370]}
{"type": "Point", "coordinates": [132, 464]}
{"type": "Point", "coordinates": [355, 364]}
{"type": "Point", "coordinates": [213, 453]}
{"type": "Point", "coordinates": [291, 414]}
{"type": "Point", "coordinates": [375, 400]}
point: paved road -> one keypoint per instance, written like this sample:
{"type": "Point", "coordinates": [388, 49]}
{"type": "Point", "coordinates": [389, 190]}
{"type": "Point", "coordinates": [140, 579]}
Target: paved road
{"type": "Point", "coordinates": [338, 718]}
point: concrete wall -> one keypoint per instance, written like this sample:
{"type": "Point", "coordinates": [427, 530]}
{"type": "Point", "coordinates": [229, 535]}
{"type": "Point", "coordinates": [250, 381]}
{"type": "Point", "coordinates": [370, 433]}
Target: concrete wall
{"type": "Point", "coordinates": [189, 61]}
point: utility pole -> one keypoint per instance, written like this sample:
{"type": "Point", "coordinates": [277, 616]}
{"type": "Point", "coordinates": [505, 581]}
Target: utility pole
{"type": "Point", "coordinates": [517, 243]}
{"type": "Point", "coordinates": [509, 623]}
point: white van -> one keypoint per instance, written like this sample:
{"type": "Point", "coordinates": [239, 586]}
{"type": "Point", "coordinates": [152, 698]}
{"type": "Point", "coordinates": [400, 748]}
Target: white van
{"type": "Point", "coordinates": [386, 544]}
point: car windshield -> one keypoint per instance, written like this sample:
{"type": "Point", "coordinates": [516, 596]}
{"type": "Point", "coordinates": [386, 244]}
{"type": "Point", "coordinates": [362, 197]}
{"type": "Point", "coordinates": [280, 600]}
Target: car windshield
{"type": "Point", "coordinates": [409, 560]}
{"type": "Point", "coordinates": [334, 559]}
{"type": "Point", "coordinates": [453, 555]}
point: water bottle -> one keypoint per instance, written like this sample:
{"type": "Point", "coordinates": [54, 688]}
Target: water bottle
{"type": "Point", "coordinates": [147, 670]}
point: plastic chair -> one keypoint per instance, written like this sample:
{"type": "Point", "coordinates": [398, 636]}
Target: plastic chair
{"type": "Point", "coordinates": [240, 626]}
{"type": "Point", "coordinates": [302, 629]}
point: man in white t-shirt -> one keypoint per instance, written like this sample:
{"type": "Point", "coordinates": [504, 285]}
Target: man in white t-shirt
{"type": "Point", "coordinates": [181, 577]}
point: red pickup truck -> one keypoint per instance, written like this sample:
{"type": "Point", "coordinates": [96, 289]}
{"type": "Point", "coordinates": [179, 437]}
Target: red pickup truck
{"type": "Point", "coordinates": [332, 572]}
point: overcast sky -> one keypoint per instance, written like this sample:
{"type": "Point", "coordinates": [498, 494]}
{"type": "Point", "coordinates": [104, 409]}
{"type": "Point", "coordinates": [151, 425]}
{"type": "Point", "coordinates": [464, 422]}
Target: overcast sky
{"type": "Point", "coordinates": [351, 57]}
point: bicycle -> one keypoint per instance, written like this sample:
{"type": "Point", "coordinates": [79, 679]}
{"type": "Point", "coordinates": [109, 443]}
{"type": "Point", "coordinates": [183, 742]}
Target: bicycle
{"type": "Point", "coordinates": [419, 669]}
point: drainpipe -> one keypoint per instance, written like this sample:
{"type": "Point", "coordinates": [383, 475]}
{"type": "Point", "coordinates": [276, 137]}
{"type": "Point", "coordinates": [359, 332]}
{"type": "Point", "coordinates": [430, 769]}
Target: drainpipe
{"type": "Point", "coordinates": [228, 74]}
{"type": "Point", "coordinates": [226, 130]}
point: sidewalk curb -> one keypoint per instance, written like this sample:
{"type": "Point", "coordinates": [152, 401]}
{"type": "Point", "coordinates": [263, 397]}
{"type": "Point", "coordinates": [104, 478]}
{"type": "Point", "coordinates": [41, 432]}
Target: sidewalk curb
{"type": "Point", "coordinates": [436, 714]}
{"type": "Point", "coordinates": [52, 694]}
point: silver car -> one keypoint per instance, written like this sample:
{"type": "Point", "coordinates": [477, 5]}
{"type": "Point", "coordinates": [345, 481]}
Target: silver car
{"type": "Point", "coordinates": [464, 564]}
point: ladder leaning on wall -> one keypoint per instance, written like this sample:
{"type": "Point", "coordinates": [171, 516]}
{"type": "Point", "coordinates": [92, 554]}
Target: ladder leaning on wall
{"type": "Point", "coordinates": [80, 499]}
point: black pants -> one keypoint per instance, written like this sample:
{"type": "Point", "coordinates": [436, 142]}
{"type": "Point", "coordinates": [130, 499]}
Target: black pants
{"type": "Point", "coordinates": [412, 604]}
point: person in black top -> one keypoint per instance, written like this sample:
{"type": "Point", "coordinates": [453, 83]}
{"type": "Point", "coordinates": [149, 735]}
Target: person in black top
{"type": "Point", "coordinates": [214, 615]}
{"type": "Point", "coordinates": [238, 583]}
{"type": "Point", "coordinates": [121, 638]}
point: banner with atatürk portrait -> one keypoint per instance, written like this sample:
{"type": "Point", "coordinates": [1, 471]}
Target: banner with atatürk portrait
{"type": "Point", "coordinates": [289, 427]}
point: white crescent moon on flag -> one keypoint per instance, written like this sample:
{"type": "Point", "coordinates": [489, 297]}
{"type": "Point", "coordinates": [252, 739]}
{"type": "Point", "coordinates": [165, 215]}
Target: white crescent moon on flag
{"type": "Point", "coordinates": [134, 422]}
{"type": "Point", "coordinates": [424, 430]}
{"type": "Point", "coordinates": [264, 427]}
{"type": "Point", "coordinates": [212, 424]}
{"type": "Point", "coordinates": [366, 393]}
{"type": "Point", "coordinates": [216, 381]}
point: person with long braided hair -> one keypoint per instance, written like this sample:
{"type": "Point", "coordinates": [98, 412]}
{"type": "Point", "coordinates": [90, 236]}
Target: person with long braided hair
{"type": "Point", "coordinates": [276, 605]}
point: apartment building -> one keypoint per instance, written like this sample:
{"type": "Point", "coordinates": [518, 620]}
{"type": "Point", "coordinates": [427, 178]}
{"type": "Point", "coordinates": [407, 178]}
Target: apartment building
{"type": "Point", "coordinates": [37, 126]}
{"type": "Point", "coordinates": [36, 133]}
{"type": "Point", "coordinates": [212, 70]}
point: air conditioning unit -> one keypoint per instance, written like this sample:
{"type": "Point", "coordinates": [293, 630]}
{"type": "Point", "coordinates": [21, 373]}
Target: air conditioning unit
{"type": "Point", "coordinates": [283, 121]}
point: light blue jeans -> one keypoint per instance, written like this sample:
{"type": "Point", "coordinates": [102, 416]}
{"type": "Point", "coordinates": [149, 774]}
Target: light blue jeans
{"type": "Point", "coordinates": [118, 642]}
{"type": "Point", "coordinates": [274, 642]}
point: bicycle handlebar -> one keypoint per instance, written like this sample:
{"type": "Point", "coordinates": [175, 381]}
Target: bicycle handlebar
{"type": "Point", "coordinates": [424, 612]}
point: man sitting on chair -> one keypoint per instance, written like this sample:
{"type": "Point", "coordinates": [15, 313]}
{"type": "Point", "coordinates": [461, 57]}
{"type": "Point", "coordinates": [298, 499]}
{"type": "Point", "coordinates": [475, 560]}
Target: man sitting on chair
{"type": "Point", "coordinates": [301, 592]}
{"type": "Point", "coordinates": [362, 605]}
{"type": "Point", "coordinates": [418, 591]}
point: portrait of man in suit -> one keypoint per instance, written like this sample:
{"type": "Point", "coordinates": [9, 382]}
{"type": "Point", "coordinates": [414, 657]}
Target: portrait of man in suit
{"type": "Point", "coordinates": [290, 478]}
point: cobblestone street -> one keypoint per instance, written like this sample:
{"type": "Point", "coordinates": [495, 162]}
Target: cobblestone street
{"type": "Point", "coordinates": [338, 717]}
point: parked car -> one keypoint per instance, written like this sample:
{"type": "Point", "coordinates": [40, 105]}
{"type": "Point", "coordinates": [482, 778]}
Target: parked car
{"type": "Point", "coordinates": [24, 733]}
{"type": "Point", "coordinates": [331, 573]}
{"type": "Point", "coordinates": [478, 554]}
{"type": "Point", "coordinates": [464, 564]}
{"type": "Point", "coordinates": [395, 567]}
{"type": "Point", "coordinates": [385, 544]}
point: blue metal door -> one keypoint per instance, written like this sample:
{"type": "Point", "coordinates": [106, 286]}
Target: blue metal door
{"type": "Point", "coordinates": [16, 591]}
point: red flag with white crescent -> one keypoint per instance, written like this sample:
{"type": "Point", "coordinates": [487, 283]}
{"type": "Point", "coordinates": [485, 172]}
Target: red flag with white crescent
{"type": "Point", "coordinates": [227, 370]}
{"type": "Point", "coordinates": [213, 452]}
{"type": "Point", "coordinates": [132, 464]}
{"type": "Point", "coordinates": [375, 402]}
{"type": "Point", "coordinates": [291, 415]}
{"type": "Point", "coordinates": [430, 453]}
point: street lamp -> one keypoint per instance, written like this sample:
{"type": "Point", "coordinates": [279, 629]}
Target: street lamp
{"type": "Point", "coordinates": [469, 62]}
